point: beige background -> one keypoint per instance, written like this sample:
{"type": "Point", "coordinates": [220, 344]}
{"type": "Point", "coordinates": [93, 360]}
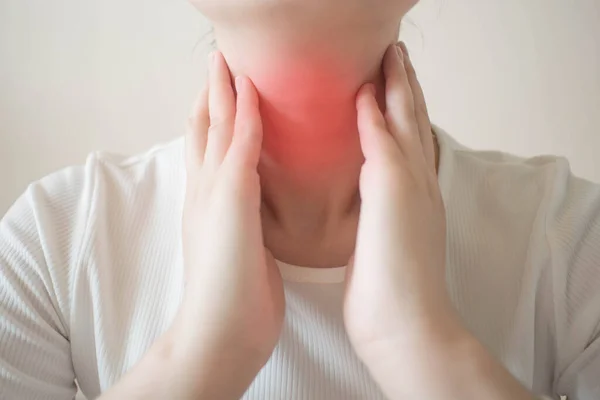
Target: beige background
{"type": "Point", "coordinates": [77, 76]}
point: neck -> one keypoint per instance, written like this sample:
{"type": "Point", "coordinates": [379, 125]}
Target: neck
{"type": "Point", "coordinates": [311, 156]}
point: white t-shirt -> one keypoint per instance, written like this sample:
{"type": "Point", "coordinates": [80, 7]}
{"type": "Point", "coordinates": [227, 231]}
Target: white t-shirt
{"type": "Point", "coordinates": [91, 274]}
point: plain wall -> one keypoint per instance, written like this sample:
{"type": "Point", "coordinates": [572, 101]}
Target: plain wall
{"type": "Point", "coordinates": [77, 76]}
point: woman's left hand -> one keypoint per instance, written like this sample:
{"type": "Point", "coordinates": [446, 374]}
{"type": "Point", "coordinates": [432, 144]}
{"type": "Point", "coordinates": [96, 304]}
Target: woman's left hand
{"type": "Point", "coordinates": [396, 293]}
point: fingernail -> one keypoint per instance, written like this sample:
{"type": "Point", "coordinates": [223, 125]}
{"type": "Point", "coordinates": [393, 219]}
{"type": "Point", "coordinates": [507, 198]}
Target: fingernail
{"type": "Point", "coordinates": [402, 47]}
{"type": "Point", "coordinates": [399, 53]}
{"type": "Point", "coordinates": [405, 50]}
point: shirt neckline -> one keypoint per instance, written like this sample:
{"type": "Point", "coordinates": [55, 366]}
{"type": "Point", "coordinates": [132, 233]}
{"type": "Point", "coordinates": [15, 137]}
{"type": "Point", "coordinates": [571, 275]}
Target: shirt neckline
{"type": "Point", "coordinates": [298, 274]}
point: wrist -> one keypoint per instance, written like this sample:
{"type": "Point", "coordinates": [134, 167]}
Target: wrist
{"type": "Point", "coordinates": [415, 339]}
{"type": "Point", "coordinates": [417, 353]}
{"type": "Point", "coordinates": [207, 368]}
{"type": "Point", "coordinates": [446, 365]}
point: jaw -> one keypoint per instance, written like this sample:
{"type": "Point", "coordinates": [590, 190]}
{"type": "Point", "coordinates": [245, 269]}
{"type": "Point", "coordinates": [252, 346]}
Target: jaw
{"type": "Point", "coordinates": [304, 13]}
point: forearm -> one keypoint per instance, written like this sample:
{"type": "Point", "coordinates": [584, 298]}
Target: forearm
{"type": "Point", "coordinates": [166, 373]}
{"type": "Point", "coordinates": [443, 369]}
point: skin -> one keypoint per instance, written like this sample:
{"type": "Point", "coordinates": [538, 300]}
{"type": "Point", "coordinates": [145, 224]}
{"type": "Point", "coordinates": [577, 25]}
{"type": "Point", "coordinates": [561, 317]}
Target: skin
{"type": "Point", "coordinates": [308, 59]}
{"type": "Point", "coordinates": [266, 168]}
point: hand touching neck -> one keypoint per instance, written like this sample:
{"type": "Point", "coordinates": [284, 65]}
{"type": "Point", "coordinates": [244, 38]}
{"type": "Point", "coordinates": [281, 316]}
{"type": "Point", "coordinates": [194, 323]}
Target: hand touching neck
{"type": "Point", "coordinates": [307, 83]}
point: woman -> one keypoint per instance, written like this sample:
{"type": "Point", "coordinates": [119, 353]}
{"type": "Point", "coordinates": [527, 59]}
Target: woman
{"type": "Point", "coordinates": [408, 267]}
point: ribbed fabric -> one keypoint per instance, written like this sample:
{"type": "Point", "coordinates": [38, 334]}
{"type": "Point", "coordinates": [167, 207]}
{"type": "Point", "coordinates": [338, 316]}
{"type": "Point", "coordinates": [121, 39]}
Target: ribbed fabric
{"type": "Point", "coordinates": [91, 274]}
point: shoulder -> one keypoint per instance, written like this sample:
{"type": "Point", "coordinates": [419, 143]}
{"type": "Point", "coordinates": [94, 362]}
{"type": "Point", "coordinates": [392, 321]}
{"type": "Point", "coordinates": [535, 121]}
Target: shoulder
{"type": "Point", "coordinates": [52, 222]}
{"type": "Point", "coordinates": [541, 202]}
{"type": "Point", "coordinates": [72, 193]}
{"type": "Point", "coordinates": [163, 159]}
{"type": "Point", "coordinates": [564, 206]}
{"type": "Point", "coordinates": [46, 293]}
{"type": "Point", "coordinates": [103, 174]}
{"type": "Point", "coordinates": [542, 186]}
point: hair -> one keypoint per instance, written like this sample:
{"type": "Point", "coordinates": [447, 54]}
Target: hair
{"type": "Point", "coordinates": [208, 36]}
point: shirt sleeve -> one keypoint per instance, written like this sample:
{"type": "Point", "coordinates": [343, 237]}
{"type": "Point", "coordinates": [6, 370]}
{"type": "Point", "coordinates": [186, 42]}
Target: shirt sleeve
{"type": "Point", "coordinates": [573, 228]}
{"type": "Point", "coordinates": [41, 237]}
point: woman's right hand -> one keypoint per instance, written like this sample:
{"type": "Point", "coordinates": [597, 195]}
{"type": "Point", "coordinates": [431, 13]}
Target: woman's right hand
{"type": "Point", "coordinates": [233, 306]}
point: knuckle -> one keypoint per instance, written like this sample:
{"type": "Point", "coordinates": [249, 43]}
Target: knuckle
{"type": "Point", "coordinates": [212, 129]}
{"type": "Point", "coordinates": [221, 124]}
{"type": "Point", "coordinates": [413, 140]}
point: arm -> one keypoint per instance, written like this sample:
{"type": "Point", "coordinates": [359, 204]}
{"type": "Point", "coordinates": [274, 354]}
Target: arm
{"type": "Point", "coordinates": [35, 361]}
{"type": "Point", "coordinates": [397, 310]}
{"type": "Point", "coordinates": [35, 354]}
{"type": "Point", "coordinates": [444, 365]}
{"type": "Point", "coordinates": [233, 306]}
{"type": "Point", "coordinates": [166, 372]}
{"type": "Point", "coordinates": [573, 237]}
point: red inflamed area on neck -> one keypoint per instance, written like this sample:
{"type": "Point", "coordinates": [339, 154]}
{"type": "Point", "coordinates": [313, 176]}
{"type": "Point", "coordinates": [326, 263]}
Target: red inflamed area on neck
{"type": "Point", "coordinates": [308, 108]}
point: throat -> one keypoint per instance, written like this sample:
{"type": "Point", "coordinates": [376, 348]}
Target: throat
{"type": "Point", "coordinates": [314, 144]}
{"type": "Point", "coordinates": [309, 170]}
{"type": "Point", "coordinates": [310, 166]}
{"type": "Point", "coordinates": [311, 156]}
{"type": "Point", "coordinates": [317, 242]}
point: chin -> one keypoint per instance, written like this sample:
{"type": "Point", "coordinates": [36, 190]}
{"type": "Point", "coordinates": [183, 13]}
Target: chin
{"type": "Point", "coordinates": [308, 11]}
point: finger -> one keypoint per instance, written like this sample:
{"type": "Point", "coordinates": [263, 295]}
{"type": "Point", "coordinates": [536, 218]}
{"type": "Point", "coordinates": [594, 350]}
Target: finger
{"type": "Point", "coordinates": [246, 144]}
{"type": "Point", "coordinates": [221, 105]}
{"type": "Point", "coordinates": [198, 122]}
{"type": "Point", "coordinates": [375, 139]}
{"type": "Point", "coordinates": [400, 106]}
{"type": "Point", "coordinates": [421, 113]}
